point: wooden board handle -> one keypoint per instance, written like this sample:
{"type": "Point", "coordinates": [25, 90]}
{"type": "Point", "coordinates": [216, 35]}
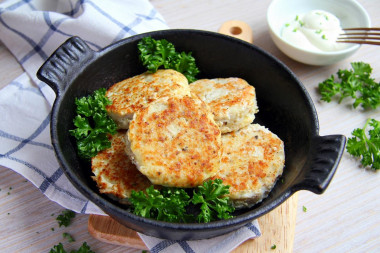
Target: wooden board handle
{"type": "Point", "coordinates": [237, 29]}
{"type": "Point", "coordinates": [277, 228]}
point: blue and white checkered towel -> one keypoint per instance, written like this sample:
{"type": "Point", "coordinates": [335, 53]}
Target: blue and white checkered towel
{"type": "Point", "coordinates": [32, 30]}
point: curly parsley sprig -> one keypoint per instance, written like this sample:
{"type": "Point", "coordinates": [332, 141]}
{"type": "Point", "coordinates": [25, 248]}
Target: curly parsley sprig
{"type": "Point", "coordinates": [93, 125]}
{"type": "Point", "coordinates": [155, 54]}
{"type": "Point", "coordinates": [210, 196]}
{"type": "Point", "coordinates": [172, 204]}
{"type": "Point", "coordinates": [355, 83]}
{"type": "Point", "coordinates": [367, 147]}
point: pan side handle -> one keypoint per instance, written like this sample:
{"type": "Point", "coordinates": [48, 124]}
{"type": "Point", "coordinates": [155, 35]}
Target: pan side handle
{"type": "Point", "coordinates": [325, 155]}
{"type": "Point", "coordinates": [65, 64]}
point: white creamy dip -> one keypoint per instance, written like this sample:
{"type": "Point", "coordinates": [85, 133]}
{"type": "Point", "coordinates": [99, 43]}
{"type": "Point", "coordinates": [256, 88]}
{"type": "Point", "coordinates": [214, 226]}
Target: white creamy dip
{"type": "Point", "coordinates": [316, 30]}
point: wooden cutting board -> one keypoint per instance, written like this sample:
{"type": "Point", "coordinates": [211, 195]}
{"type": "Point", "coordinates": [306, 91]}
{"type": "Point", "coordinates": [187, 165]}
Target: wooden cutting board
{"type": "Point", "coordinates": [277, 228]}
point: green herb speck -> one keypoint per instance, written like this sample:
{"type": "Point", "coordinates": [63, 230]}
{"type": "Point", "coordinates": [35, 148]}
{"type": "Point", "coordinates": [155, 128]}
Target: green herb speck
{"type": "Point", "coordinates": [304, 209]}
{"type": "Point", "coordinates": [273, 246]}
{"type": "Point", "coordinates": [64, 219]}
{"type": "Point", "coordinates": [68, 237]}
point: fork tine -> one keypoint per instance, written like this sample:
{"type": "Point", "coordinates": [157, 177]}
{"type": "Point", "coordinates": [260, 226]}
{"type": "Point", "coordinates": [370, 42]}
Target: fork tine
{"type": "Point", "coordinates": [362, 28]}
{"type": "Point", "coordinates": [360, 35]}
{"type": "Point", "coordinates": [359, 38]}
{"type": "Point", "coordinates": [377, 43]}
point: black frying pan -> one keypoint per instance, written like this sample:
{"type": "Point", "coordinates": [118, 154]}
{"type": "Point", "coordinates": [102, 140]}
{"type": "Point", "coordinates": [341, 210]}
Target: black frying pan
{"type": "Point", "coordinates": [74, 70]}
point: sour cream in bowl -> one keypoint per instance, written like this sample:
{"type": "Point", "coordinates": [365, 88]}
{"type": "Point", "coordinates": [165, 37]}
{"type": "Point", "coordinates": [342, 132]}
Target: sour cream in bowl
{"type": "Point", "coordinates": [306, 31]}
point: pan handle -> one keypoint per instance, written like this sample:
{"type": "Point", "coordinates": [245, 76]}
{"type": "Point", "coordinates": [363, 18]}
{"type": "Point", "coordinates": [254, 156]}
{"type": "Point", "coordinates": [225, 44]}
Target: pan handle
{"type": "Point", "coordinates": [65, 63]}
{"type": "Point", "coordinates": [325, 154]}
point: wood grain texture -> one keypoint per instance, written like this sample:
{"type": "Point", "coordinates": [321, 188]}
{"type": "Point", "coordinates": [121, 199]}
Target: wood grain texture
{"type": "Point", "coordinates": [277, 228]}
{"type": "Point", "coordinates": [108, 230]}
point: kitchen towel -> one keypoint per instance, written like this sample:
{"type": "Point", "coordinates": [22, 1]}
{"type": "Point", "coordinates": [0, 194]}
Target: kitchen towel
{"type": "Point", "coordinates": [32, 30]}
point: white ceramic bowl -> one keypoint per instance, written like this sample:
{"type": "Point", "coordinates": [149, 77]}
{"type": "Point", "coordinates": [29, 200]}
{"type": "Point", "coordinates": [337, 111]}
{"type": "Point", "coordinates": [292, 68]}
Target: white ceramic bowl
{"type": "Point", "coordinates": [349, 12]}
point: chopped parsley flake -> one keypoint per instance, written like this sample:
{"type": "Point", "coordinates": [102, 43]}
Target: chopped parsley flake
{"type": "Point", "coordinates": [273, 246]}
{"type": "Point", "coordinates": [64, 219]}
{"type": "Point", "coordinates": [60, 249]}
{"type": "Point", "coordinates": [68, 237]}
{"type": "Point", "coordinates": [304, 209]}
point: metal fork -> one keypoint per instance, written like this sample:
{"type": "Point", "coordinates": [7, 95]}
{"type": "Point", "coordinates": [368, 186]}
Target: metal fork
{"type": "Point", "coordinates": [360, 35]}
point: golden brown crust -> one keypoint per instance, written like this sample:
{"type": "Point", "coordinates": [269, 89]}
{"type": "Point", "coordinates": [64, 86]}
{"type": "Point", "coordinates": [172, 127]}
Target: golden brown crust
{"type": "Point", "coordinates": [114, 172]}
{"type": "Point", "coordinates": [231, 100]}
{"type": "Point", "coordinates": [253, 159]}
{"type": "Point", "coordinates": [137, 92]}
{"type": "Point", "coordinates": [175, 142]}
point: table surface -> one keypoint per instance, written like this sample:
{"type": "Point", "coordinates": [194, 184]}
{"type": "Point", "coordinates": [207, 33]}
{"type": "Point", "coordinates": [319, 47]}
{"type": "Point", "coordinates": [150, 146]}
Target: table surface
{"type": "Point", "coordinates": [345, 218]}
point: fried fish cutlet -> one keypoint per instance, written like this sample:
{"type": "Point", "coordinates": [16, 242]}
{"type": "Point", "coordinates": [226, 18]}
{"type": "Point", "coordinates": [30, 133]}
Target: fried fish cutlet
{"type": "Point", "coordinates": [137, 92]}
{"type": "Point", "coordinates": [175, 142]}
{"type": "Point", "coordinates": [114, 173]}
{"type": "Point", "coordinates": [231, 100]}
{"type": "Point", "coordinates": [253, 159]}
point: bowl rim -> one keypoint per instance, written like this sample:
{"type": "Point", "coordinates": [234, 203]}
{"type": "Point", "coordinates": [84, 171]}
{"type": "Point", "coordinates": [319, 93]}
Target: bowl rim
{"type": "Point", "coordinates": [347, 50]}
{"type": "Point", "coordinates": [111, 208]}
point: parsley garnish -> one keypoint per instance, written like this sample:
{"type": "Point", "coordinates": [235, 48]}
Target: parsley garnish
{"type": "Point", "coordinates": [166, 205]}
{"type": "Point", "coordinates": [155, 54]}
{"type": "Point", "coordinates": [83, 249]}
{"type": "Point", "coordinates": [366, 147]}
{"type": "Point", "coordinates": [171, 204]}
{"type": "Point", "coordinates": [304, 209]}
{"type": "Point", "coordinates": [356, 83]}
{"type": "Point", "coordinates": [93, 125]}
{"type": "Point", "coordinates": [273, 246]}
{"type": "Point", "coordinates": [64, 219]}
{"type": "Point", "coordinates": [213, 204]}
